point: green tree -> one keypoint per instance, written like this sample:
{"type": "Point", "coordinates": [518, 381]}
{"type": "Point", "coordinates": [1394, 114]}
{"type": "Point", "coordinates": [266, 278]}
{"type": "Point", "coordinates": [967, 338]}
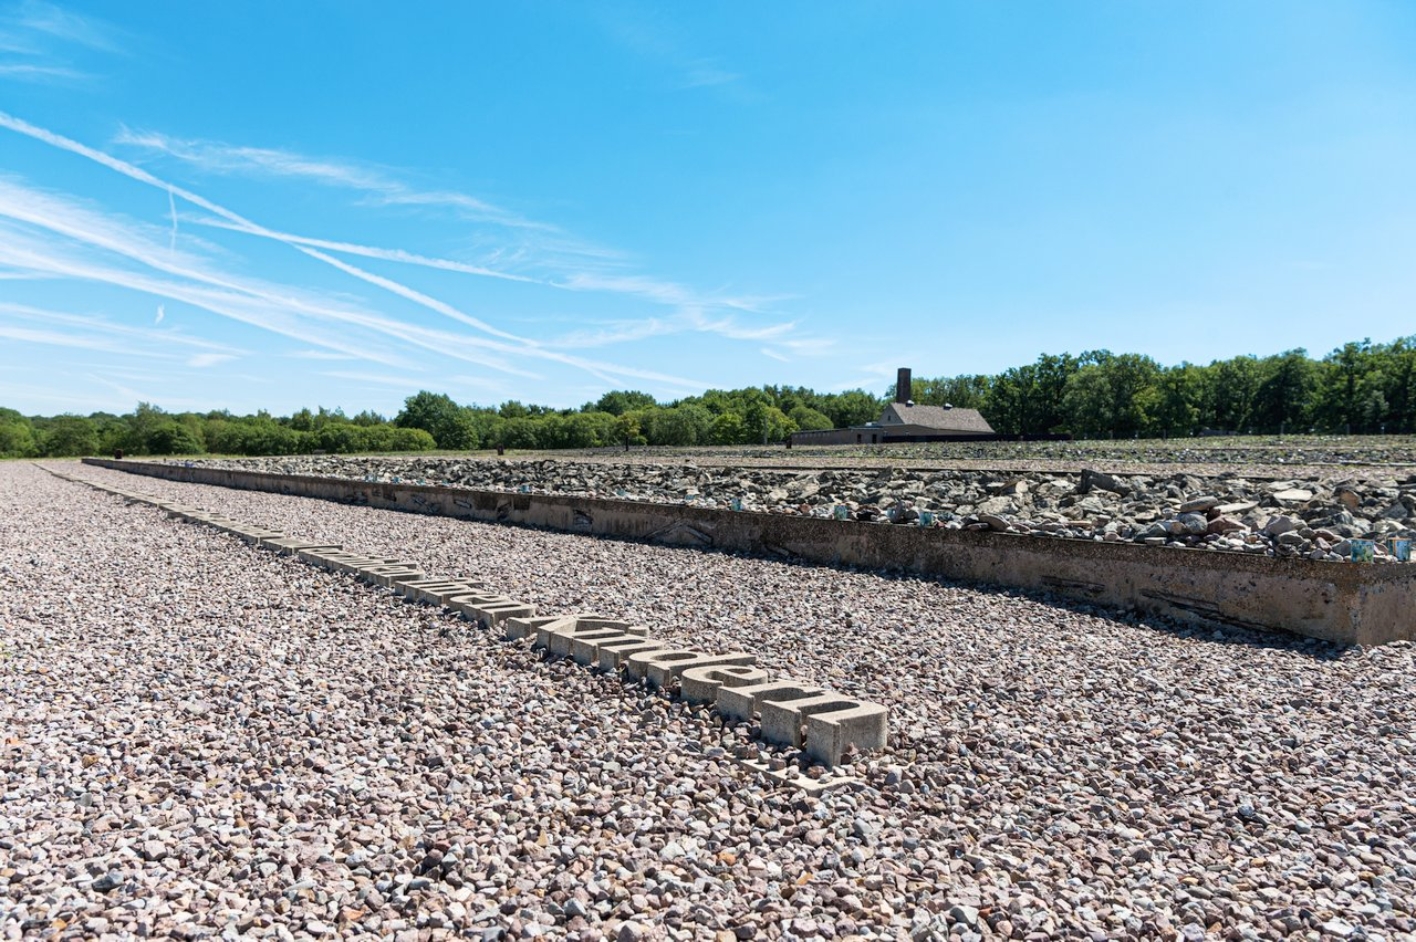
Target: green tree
{"type": "Point", "coordinates": [628, 430]}
{"type": "Point", "coordinates": [730, 429]}
{"type": "Point", "coordinates": [1234, 392]}
{"type": "Point", "coordinates": [522, 432]}
{"type": "Point", "coordinates": [684, 425]}
{"type": "Point", "coordinates": [16, 436]}
{"type": "Point", "coordinates": [1181, 389]}
{"type": "Point", "coordinates": [1284, 400]}
{"type": "Point", "coordinates": [171, 437]}
{"type": "Point", "coordinates": [435, 413]}
{"type": "Point", "coordinates": [619, 401]}
{"type": "Point", "coordinates": [303, 421]}
{"type": "Point", "coordinates": [1112, 395]}
{"type": "Point", "coordinates": [807, 419]}
{"type": "Point", "coordinates": [69, 436]}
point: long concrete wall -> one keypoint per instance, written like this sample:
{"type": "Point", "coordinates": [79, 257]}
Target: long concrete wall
{"type": "Point", "coordinates": [1346, 603]}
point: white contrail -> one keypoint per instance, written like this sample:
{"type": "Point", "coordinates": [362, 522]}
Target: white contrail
{"type": "Point", "coordinates": [172, 206]}
{"type": "Point", "coordinates": [161, 313]}
{"type": "Point", "coordinates": [386, 255]}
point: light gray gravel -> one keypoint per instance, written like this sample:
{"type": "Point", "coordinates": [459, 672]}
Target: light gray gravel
{"type": "Point", "coordinates": [203, 738]}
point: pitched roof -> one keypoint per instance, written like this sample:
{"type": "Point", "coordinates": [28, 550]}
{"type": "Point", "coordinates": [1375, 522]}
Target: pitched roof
{"type": "Point", "coordinates": [935, 417]}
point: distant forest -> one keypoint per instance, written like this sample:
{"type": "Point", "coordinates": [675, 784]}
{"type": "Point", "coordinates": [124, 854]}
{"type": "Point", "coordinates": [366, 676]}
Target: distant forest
{"type": "Point", "coordinates": [1360, 387]}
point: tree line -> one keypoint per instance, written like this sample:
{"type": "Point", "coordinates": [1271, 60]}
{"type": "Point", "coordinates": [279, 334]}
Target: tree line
{"type": "Point", "coordinates": [1361, 387]}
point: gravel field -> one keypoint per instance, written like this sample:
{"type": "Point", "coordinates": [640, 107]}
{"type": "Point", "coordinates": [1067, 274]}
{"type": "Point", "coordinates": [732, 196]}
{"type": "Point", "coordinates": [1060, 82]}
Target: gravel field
{"type": "Point", "coordinates": [205, 739]}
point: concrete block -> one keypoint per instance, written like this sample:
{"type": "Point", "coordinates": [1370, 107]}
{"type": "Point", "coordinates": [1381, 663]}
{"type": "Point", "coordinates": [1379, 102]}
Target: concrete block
{"type": "Point", "coordinates": [559, 637]}
{"type": "Point", "coordinates": [612, 654]}
{"type": "Point", "coordinates": [844, 720]}
{"type": "Point", "coordinates": [353, 562]}
{"type": "Point", "coordinates": [288, 545]}
{"type": "Point", "coordinates": [741, 703]}
{"type": "Point", "coordinates": [254, 536]}
{"type": "Point", "coordinates": [595, 647]}
{"type": "Point", "coordinates": [661, 668]}
{"type": "Point", "coordinates": [385, 574]}
{"type": "Point", "coordinates": [562, 643]}
{"type": "Point", "coordinates": [516, 628]}
{"type": "Point", "coordinates": [701, 684]}
{"type": "Point", "coordinates": [494, 613]}
{"type": "Point", "coordinates": [467, 602]}
{"type": "Point", "coordinates": [828, 734]}
{"type": "Point", "coordinates": [434, 590]}
{"type": "Point", "coordinates": [325, 560]}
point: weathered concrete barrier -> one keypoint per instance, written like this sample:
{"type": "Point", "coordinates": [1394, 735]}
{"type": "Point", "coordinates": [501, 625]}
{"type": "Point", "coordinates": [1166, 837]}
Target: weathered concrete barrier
{"type": "Point", "coordinates": [1346, 603]}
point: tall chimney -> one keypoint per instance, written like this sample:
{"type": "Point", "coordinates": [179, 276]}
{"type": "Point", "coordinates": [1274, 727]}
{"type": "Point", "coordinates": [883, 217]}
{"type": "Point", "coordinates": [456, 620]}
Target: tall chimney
{"type": "Point", "coordinates": [902, 385]}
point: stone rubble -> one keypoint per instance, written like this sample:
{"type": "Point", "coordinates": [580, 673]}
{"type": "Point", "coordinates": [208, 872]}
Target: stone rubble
{"type": "Point", "coordinates": [201, 739]}
{"type": "Point", "coordinates": [1311, 517]}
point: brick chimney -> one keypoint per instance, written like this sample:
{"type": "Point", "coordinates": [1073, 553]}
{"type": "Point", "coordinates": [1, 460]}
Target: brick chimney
{"type": "Point", "coordinates": [902, 385]}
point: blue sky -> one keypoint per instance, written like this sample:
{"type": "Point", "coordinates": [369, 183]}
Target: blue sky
{"type": "Point", "coordinates": [273, 205]}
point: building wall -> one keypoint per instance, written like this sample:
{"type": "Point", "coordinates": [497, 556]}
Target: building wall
{"type": "Point", "coordinates": [862, 435]}
{"type": "Point", "coordinates": [840, 436]}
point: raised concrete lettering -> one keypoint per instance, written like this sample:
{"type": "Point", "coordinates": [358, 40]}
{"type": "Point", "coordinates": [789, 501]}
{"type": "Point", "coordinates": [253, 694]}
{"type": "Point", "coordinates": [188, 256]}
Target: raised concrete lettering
{"type": "Point", "coordinates": [559, 637]}
{"type": "Point", "coordinates": [493, 614]}
{"type": "Point", "coordinates": [701, 684]}
{"type": "Point", "coordinates": [845, 721]}
{"type": "Point", "coordinates": [740, 703]}
{"type": "Point", "coordinates": [661, 668]}
{"type": "Point", "coordinates": [434, 591]}
{"type": "Point", "coordinates": [516, 628]}
{"type": "Point", "coordinates": [287, 546]}
{"type": "Point", "coordinates": [612, 654]}
{"type": "Point", "coordinates": [586, 649]}
{"type": "Point", "coordinates": [254, 535]}
{"type": "Point", "coordinates": [865, 726]}
{"type": "Point", "coordinates": [353, 562]}
{"type": "Point", "coordinates": [385, 574]}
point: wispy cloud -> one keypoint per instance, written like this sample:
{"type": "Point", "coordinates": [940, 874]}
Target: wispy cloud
{"type": "Point", "coordinates": [769, 352]}
{"type": "Point", "coordinates": [319, 355]}
{"type": "Point", "coordinates": [378, 379]}
{"type": "Point", "coordinates": [368, 251]}
{"type": "Point", "coordinates": [704, 74]}
{"type": "Point", "coordinates": [67, 26]}
{"type": "Point", "coordinates": [690, 321]}
{"type": "Point", "coordinates": [58, 328]}
{"type": "Point", "coordinates": [40, 41]}
{"type": "Point", "coordinates": [374, 182]}
{"type": "Point", "coordinates": [657, 44]}
{"type": "Point", "coordinates": [39, 73]}
{"type": "Point", "coordinates": [203, 360]}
